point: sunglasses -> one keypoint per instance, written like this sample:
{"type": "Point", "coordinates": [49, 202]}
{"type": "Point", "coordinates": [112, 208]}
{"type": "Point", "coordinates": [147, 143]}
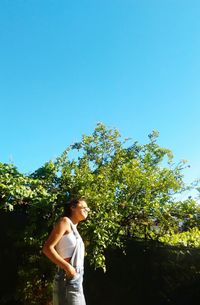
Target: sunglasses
{"type": "Point", "coordinates": [85, 209]}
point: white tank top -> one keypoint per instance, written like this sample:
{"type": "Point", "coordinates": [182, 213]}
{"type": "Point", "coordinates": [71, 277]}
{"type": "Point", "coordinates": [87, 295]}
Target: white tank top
{"type": "Point", "coordinates": [66, 245]}
{"type": "Point", "coordinates": [71, 245]}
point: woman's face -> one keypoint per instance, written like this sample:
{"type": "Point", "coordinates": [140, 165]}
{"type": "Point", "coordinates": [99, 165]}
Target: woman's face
{"type": "Point", "coordinates": [81, 210]}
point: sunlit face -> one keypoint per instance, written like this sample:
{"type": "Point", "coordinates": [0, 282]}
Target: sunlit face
{"type": "Point", "coordinates": [81, 210]}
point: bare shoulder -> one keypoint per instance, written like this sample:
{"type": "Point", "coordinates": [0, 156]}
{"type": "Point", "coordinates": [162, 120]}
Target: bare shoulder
{"type": "Point", "coordinates": [64, 224]}
{"type": "Point", "coordinates": [65, 220]}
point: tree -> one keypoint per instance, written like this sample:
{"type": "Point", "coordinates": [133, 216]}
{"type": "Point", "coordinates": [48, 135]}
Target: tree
{"type": "Point", "coordinates": [129, 188]}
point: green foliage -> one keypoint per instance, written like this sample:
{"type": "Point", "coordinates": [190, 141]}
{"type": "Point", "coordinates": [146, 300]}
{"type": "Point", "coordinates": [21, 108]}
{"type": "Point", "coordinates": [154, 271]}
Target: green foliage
{"type": "Point", "coordinates": [128, 188]}
{"type": "Point", "coordinates": [18, 189]}
{"type": "Point", "coordinates": [190, 238]}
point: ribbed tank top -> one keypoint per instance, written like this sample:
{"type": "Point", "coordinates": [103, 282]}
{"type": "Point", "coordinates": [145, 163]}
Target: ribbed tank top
{"type": "Point", "coordinates": [68, 242]}
{"type": "Point", "coordinates": [66, 245]}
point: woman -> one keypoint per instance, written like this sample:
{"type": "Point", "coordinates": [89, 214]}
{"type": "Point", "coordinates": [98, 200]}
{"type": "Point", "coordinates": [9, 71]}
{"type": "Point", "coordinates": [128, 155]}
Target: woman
{"type": "Point", "coordinates": [65, 248]}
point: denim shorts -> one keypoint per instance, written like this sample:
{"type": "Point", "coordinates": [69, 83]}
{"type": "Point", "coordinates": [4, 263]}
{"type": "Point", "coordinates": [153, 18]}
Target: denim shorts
{"type": "Point", "coordinates": [68, 292]}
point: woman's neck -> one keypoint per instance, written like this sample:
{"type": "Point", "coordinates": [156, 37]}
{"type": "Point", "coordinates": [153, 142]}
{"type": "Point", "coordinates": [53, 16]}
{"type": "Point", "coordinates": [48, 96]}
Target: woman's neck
{"type": "Point", "coordinates": [74, 220]}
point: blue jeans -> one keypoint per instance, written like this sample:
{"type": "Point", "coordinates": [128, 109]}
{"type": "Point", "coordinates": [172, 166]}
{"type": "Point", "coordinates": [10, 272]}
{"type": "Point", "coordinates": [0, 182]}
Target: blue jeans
{"type": "Point", "coordinates": [68, 292]}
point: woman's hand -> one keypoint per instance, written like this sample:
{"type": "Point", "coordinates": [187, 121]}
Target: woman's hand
{"type": "Point", "coordinates": [70, 272]}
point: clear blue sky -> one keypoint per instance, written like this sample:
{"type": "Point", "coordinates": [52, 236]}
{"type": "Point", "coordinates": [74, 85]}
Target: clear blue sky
{"type": "Point", "coordinates": [66, 65]}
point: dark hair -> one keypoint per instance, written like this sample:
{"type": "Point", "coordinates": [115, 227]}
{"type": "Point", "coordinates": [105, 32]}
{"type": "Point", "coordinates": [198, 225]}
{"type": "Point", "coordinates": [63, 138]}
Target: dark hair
{"type": "Point", "coordinates": [72, 204]}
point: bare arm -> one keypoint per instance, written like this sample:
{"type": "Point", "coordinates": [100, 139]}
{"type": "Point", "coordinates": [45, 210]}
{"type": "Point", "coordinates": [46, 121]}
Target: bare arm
{"type": "Point", "coordinates": [62, 227]}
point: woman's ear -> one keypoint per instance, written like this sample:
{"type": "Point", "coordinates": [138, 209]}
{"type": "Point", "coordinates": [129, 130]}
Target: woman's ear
{"type": "Point", "coordinates": [72, 208]}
